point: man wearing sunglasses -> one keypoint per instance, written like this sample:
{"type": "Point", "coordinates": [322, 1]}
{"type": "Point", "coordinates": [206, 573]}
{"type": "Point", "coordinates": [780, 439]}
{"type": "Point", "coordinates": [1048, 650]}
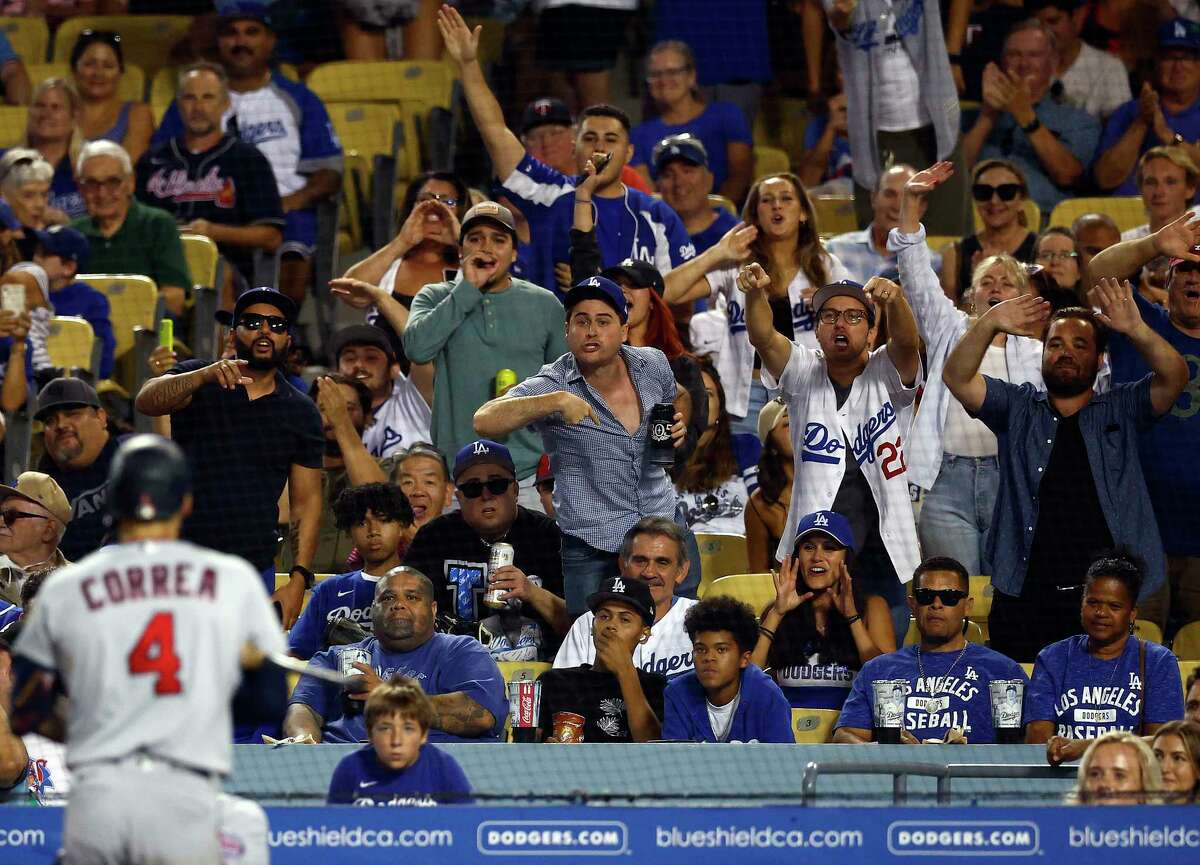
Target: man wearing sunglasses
{"type": "Point", "coordinates": [945, 695]}
{"type": "Point", "coordinates": [246, 433]}
{"type": "Point", "coordinates": [454, 551]}
{"type": "Point", "coordinates": [33, 516]}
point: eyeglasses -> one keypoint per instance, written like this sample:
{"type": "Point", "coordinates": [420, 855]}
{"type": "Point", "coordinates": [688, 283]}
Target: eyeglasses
{"type": "Point", "coordinates": [948, 597]}
{"type": "Point", "coordinates": [1007, 191]}
{"type": "Point", "coordinates": [1051, 257]}
{"type": "Point", "coordinates": [852, 316]}
{"type": "Point", "coordinates": [546, 486]}
{"type": "Point", "coordinates": [669, 72]}
{"type": "Point", "coordinates": [254, 321]}
{"type": "Point", "coordinates": [108, 184]}
{"type": "Point", "coordinates": [11, 517]}
{"type": "Point", "coordinates": [495, 486]}
{"type": "Point", "coordinates": [448, 200]}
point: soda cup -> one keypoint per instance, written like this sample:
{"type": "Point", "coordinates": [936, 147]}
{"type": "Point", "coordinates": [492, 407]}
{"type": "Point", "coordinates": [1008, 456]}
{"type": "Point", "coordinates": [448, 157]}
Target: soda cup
{"type": "Point", "coordinates": [889, 710]}
{"type": "Point", "coordinates": [502, 556]}
{"type": "Point", "coordinates": [1007, 696]}
{"type": "Point", "coordinates": [505, 379]}
{"type": "Point", "coordinates": [347, 658]}
{"type": "Point", "coordinates": [525, 709]}
{"type": "Point", "coordinates": [660, 449]}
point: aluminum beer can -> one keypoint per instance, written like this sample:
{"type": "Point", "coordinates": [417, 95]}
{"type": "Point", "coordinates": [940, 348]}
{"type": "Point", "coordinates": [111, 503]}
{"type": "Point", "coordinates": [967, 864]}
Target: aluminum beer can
{"type": "Point", "coordinates": [505, 379]}
{"type": "Point", "coordinates": [659, 447]}
{"type": "Point", "coordinates": [347, 658]}
{"type": "Point", "coordinates": [502, 556]}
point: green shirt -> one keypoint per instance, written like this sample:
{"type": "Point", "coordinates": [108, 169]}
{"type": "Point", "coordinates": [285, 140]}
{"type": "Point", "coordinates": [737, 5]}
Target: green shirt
{"type": "Point", "coordinates": [147, 243]}
{"type": "Point", "coordinates": [471, 336]}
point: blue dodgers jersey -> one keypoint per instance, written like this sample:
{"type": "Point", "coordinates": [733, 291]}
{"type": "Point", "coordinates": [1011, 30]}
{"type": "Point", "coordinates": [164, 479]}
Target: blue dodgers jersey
{"type": "Point", "coordinates": [1086, 697]}
{"type": "Point", "coordinates": [435, 779]}
{"type": "Point", "coordinates": [953, 693]}
{"type": "Point", "coordinates": [444, 664]}
{"type": "Point", "coordinates": [346, 596]}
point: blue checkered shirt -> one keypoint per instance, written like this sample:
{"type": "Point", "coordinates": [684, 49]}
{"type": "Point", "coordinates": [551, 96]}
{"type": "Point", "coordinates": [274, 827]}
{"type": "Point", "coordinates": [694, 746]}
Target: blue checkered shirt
{"type": "Point", "coordinates": [602, 482]}
{"type": "Point", "coordinates": [856, 253]}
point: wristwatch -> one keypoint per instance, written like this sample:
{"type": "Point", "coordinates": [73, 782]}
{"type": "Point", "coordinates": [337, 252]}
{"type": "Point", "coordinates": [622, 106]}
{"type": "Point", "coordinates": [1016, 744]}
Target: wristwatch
{"type": "Point", "coordinates": [1032, 126]}
{"type": "Point", "coordinates": [310, 578]}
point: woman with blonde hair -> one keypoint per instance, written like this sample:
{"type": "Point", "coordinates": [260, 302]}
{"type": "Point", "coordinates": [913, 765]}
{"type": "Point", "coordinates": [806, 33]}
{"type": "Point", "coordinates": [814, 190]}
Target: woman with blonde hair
{"type": "Point", "coordinates": [1117, 769]}
{"type": "Point", "coordinates": [1176, 746]}
{"type": "Point", "coordinates": [51, 131]}
{"type": "Point", "coordinates": [778, 231]}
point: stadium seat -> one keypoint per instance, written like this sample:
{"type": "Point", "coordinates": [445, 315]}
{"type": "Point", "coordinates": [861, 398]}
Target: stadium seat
{"type": "Point", "coordinates": [146, 40]}
{"type": "Point", "coordinates": [1187, 642]}
{"type": "Point", "coordinates": [770, 160]}
{"type": "Point", "coordinates": [132, 86]}
{"type": "Point", "coordinates": [1033, 216]}
{"type": "Point", "coordinates": [981, 592]}
{"type": "Point", "coordinates": [71, 344]}
{"type": "Point", "coordinates": [1127, 211]}
{"type": "Point", "coordinates": [1185, 670]}
{"type": "Point", "coordinates": [282, 580]}
{"type": "Point", "coordinates": [12, 124]}
{"type": "Point", "coordinates": [1028, 668]}
{"type": "Point", "coordinates": [372, 135]}
{"type": "Point", "coordinates": [757, 590]}
{"type": "Point", "coordinates": [722, 201]}
{"type": "Point", "coordinates": [721, 554]}
{"type": "Point", "coordinates": [938, 242]}
{"type": "Point", "coordinates": [1148, 631]}
{"type": "Point", "coordinates": [814, 726]}
{"type": "Point", "coordinates": [975, 633]}
{"type": "Point", "coordinates": [135, 310]}
{"type": "Point", "coordinates": [835, 214]}
{"type": "Point", "coordinates": [203, 259]}
{"type": "Point", "coordinates": [782, 123]}
{"type": "Point", "coordinates": [29, 37]}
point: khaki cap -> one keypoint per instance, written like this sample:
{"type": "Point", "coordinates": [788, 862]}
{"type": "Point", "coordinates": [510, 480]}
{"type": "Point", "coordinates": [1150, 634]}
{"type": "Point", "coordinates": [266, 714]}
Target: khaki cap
{"type": "Point", "coordinates": [41, 489]}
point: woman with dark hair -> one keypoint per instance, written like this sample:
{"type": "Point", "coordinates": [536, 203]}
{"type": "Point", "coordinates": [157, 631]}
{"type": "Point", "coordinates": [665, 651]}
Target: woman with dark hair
{"type": "Point", "coordinates": [1055, 251]}
{"type": "Point", "coordinates": [1176, 746]}
{"type": "Point", "coordinates": [999, 189]}
{"type": "Point", "coordinates": [98, 63]}
{"type": "Point", "coordinates": [721, 126]}
{"type": "Point", "coordinates": [813, 639]}
{"type": "Point", "coordinates": [778, 231]}
{"type": "Point", "coordinates": [1106, 678]}
{"type": "Point", "coordinates": [766, 512]}
{"type": "Point", "coordinates": [711, 486]}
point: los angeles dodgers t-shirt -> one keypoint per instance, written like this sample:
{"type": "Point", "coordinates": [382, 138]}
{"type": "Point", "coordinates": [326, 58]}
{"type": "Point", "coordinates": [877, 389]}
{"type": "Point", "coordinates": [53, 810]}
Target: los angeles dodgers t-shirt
{"type": "Point", "coordinates": [346, 596]}
{"type": "Point", "coordinates": [434, 779]}
{"type": "Point", "coordinates": [953, 692]}
{"type": "Point", "coordinates": [1086, 697]}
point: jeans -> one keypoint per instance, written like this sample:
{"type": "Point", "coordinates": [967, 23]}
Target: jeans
{"type": "Point", "coordinates": [584, 568]}
{"type": "Point", "coordinates": [874, 574]}
{"type": "Point", "coordinates": [957, 512]}
{"type": "Point", "coordinates": [758, 398]}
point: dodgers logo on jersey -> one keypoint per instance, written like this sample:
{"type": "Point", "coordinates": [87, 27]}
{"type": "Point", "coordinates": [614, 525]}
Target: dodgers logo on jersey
{"type": "Point", "coordinates": [391, 438]}
{"type": "Point", "coordinates": [869, 432]}
{"type": "Point", "coordinates": [736, 316]}
{"type": "Point", "coordinates": [820, 446]}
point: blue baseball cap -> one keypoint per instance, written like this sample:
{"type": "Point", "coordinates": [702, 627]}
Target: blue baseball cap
{"type": "Point", "coordinates": [235, 10]}
{"type": "Point", "coordinates": [686, 147]}
{"type": "Point", "coordinates": [8, 219]}
{"type": "Point", "coordinates": [67, 243]}
{"type": "Point", "coordinates": [845, 288]}
{"type": "Point", "coordinates": [483, 451]}
{"type": "Point", "coordinates": [1179, 33]}
{"type": "Point", "coordinates": [826, 523]}
{"type": "Point", "coordinates": [598, 288]}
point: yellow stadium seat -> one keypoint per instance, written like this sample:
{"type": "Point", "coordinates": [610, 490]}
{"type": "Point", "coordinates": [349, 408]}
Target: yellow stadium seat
{"type": "Point", "coordinates": [12, 124]}
{"type": "Point", "coordinates": [282, 580]}
{"type": "Point", "coordinates": [203, 259]}
{"type": "Point", "coordinates": [1028, 668]}
{"type": "Point", "coordinates": [938, 242]}
{"type": "Point", "coordinates": [722, 201]}
{"type": "Point", "coordinates": [814, 726]}
{"type": "Point", "coordinates": [1033, 216]}
{"type": "Point", "coordinates": [770, 160]}
{"type": "Point", "coordinates": [1187, 642]}
{"type": "Point", "coordinates": [835, 214]}
{"type": "Point", "coordinates": [975, 633]}
{"type": "Point", "coordinates": [1148, 631]}
{"type": "Point", "coordinates": [132, 300]}
{"type": "Point", "coordinates": [757, 590]}
{"type": "Point", "coordinates": [782, 123]}
{"type": "Point", "coordinates": [1127, 211]}
{"type": "Point", "coordinates": [132, 86]}
{"type": "Point", "coordinates": [721, 554]}
{"type": "Point", "coordinates": [981, 592]}
{"type": "Point", "coordinates": [146, 40]}
{"type": "Point", "coordinates": [71, 343]}
{"type": "Point", "coordinates": [29, 37]}
{"type": "Point", "coordinates": [1186, 668]}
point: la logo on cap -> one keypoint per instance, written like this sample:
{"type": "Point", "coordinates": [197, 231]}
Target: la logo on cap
{"type": "Point", "coordinates": [481, 448]}
{"type": "Point", "coordinates": [1180, 30]}
{"type": "Point", "coordinates": [593, 282]}
{"type": "Point", "coordinates": [821, 520]}
{"type": "Point", "coordinates": [618, 585]}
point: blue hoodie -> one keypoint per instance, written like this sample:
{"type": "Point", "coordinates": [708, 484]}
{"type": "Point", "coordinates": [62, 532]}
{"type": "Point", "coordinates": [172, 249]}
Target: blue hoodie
{"type": "Point", "coordinates": [763, 713]}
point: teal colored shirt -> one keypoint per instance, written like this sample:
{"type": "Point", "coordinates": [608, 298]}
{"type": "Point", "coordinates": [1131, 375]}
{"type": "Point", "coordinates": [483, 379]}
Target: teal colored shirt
{"type": "Point", "coordinates": [471, 336]}
{"type": "Point", "coordinates": [147, 243]}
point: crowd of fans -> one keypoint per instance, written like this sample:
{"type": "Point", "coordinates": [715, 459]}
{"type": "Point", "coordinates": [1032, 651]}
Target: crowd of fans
{"type": "Point", "coordinates": [559, 382]}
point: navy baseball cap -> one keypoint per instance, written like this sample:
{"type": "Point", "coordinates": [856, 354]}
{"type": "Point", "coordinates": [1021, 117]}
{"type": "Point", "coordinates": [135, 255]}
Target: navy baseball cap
{"type": "Point", "coordinates": [1179, 33]}
{"type": "Point", "coordinates": [361, 334]}
{"type": "Point", "coordinates": [826, 523]}
{"type": "Point", "coordinates": [598, 288]}
{"type": "Point", "coordinates": [845, 288]}
{"type": "Point", "coordinates": [629, 591]}
{"type": "Point", "coordinates": [236, 10]}
{"type": "Point", "coordinates": [642, 274]}
{"type": "Point", "coordinates": [67, 243]}
{"type": "Point", "coordinates": [8, 219]}
{"type": "Point", "coordinates": [64, 392]}
{"type": "Point", "coordinates": [685, 147]}
{"type": "Point", "coordinates": [483, 451]}
{"type": "Point", "coordinates": [267, 295]}
{"type": "Point", "coordinates": [545, 112]}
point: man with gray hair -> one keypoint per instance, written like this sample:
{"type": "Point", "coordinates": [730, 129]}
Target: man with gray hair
{"type": "Point", "coordinates": [1026, 122]}
{"type": "Point", "coordinates": [127, 236]}
{"type": "Point", "coordinates": [33, 517]}
{"type": "Point", "coordinates": [213, 183]}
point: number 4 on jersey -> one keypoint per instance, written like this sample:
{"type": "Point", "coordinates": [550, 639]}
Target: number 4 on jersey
{"type": "Point", "coordinates": [155, 653]}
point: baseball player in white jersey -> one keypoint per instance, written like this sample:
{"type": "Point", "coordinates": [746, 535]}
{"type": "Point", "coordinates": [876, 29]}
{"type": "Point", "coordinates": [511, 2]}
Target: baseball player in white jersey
{"type": "Point", "coordinates": [149, 637]}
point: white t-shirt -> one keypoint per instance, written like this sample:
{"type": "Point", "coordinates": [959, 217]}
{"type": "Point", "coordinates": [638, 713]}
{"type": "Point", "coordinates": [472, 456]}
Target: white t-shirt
{"type": "Point", "coordinates": [718, 510]}
{"type": "Point", "coordinates": [400, 422]}
{"type": "Point", "coordinates": [720, 718]}
{"type": "Point", "coordinates": [668, 651]}
{"type": "Point", "coordinates": [897, 89]}
{"type": "Point", "coordinates": [964, 435]}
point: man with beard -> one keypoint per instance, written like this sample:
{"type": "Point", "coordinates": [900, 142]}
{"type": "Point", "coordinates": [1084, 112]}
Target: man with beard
{"type": "Point", "coordinates": [246, 432]}
{"type": "Point", "coordinates": [1070, 482]}
{"type": "Point", "coordinates": [1171, 475]}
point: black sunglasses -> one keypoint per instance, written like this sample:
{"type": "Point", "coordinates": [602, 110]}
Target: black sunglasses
{"type": "Point", "coordinates": [1007, 191]}
{"type": "Point", "coordinates": [948, 597]}
{"type": "Point", "coordinates": [11, 517]}
{"type": "Point", "coordinates": [495, 486]}
{"type": "Point", "coordinates": [254, 321]}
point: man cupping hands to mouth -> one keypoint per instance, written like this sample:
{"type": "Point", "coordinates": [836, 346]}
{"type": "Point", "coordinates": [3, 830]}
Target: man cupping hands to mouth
{"type": "Point", "coordinates": [488, 247]}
